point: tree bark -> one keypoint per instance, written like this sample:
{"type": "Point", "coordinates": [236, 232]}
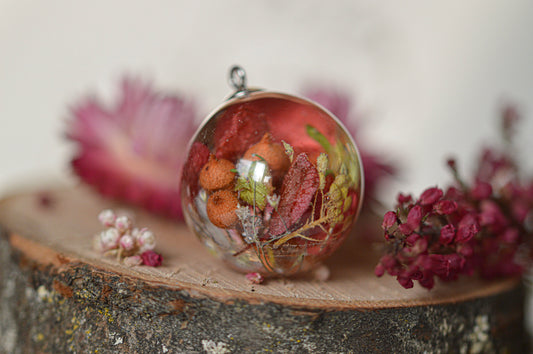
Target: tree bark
{"type": "Point", "coordinates": [58, 295]}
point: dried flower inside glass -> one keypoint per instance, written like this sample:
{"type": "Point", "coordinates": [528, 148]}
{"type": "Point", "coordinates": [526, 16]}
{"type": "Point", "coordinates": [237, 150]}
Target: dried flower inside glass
{"type": "Point", "coordinates": [272, 182]}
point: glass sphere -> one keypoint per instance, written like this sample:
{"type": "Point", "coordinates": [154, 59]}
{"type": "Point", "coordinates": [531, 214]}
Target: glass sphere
{"type": "Point", "coordinates": [272, 183]}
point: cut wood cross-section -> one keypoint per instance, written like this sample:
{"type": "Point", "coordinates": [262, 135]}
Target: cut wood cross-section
{"type": "Point", "coordinates": [58, 295]}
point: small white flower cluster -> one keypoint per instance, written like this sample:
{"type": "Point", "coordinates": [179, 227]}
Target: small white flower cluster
{"type": "Point", "coordinates": [122, 239]}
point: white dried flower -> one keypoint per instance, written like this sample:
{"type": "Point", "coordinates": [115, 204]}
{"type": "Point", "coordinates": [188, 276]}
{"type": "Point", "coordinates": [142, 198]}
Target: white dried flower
{"type": "Point", "coordinates": [145, 240]}
{"type": "Point", "coordinates": [123, 223]}
{"type": "Point", "coordinates": [135, 232]}
{"type": "Point", "coordinates": [97, 243]}
{"type": "Point", "coordinates": [107, 217]}
{"type": "Point", "coordinates": [109, 239]}
{"type": "Point", "coordinates": [127, 242]}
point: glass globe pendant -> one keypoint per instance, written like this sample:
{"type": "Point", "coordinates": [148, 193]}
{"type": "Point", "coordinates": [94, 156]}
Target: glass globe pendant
{"type": "Point", "coordinates": [273, 182]}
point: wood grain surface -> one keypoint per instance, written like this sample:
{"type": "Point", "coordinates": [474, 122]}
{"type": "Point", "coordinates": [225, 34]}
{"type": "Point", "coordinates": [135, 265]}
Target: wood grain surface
{"type": "Point", "coordinates": [52, 230]}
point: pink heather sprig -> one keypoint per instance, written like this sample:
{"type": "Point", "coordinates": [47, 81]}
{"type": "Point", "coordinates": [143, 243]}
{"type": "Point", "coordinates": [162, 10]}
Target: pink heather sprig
{"type": "Point", "coordinates": [131, 245]}
{"type": "Point", "coordinates": [484, 227]}
{"type": "Point", "coordinates": [133, 150]}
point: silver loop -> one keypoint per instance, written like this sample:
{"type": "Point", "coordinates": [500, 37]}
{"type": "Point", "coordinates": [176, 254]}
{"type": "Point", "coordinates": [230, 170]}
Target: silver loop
{"type": "Point", "coordinates": [237, 78]}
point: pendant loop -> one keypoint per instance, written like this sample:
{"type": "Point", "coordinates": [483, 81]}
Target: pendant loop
{"type": "Point", "coordinates": [237, 78]}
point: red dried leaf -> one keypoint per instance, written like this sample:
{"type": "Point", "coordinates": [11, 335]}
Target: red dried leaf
{"type": "Point", "coordinates": [239, 128]}
{"type": "Point", "coordinates": [297, 191]}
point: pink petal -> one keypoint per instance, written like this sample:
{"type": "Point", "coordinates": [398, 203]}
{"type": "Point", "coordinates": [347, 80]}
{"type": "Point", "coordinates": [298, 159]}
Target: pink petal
{"type": "Point", "coordinates": [134, 151]}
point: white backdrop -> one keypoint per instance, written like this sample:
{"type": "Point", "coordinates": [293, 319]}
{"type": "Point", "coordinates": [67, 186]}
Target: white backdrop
{"type": "Point", "coordinates": [428, 77]}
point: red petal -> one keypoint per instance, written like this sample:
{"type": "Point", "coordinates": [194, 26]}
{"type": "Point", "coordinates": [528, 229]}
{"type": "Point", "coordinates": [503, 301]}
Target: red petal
{"type": "Point", "coordinates": [299, 186]}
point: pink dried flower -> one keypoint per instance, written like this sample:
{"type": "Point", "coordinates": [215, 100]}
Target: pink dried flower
{"type": "Point", "coordinates": [151, 258]}
{"type": "Point", "coordinates": [255, 278]}
{"type": "Point", "coordinates": [133, 151]}
{"type": "Point", "coordinates": [322, 273]}
{"type": "Point", "coordinates": [133, 261]}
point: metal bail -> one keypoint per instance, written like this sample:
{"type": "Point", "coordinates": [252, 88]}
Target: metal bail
{"type": "Point", "coordinates": [237, 78]}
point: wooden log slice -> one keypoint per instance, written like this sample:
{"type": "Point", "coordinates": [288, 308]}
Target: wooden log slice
{"type": "Point", "coordinates": [57, 295]}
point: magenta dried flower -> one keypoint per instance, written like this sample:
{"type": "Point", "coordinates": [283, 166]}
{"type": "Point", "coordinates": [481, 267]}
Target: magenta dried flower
{"type": "Point", "coordinates": [445, 207]}
{"type": "Point", "coordinates": [471, 228]}
{"type": "Point", "coordinates": [447, 233]}
{"type": "Point", "coordinates": [134, 150]}
{"type": "Point", "coordinates": [151, 258]}
{"type": "Point", "coordinates": [389, 220]}
{"type": "Point", "coordinates": [430, 196]}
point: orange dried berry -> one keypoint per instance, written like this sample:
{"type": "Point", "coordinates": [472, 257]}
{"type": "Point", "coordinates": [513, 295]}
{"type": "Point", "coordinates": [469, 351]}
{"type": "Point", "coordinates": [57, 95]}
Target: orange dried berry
{"type": "Point", "coordinates": [273, 153]}
{"type": "Point", "coordinates": [217, 174]}
{"type": "Point", "coordinates": [221, 207]}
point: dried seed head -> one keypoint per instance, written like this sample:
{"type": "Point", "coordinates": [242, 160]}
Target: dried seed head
{"type": "Point", "coordinates": [274, 154]}
{"type": "Point", "coordinates": [217, 174]}
{"type": "Point", "coordinates": [221, 207]}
